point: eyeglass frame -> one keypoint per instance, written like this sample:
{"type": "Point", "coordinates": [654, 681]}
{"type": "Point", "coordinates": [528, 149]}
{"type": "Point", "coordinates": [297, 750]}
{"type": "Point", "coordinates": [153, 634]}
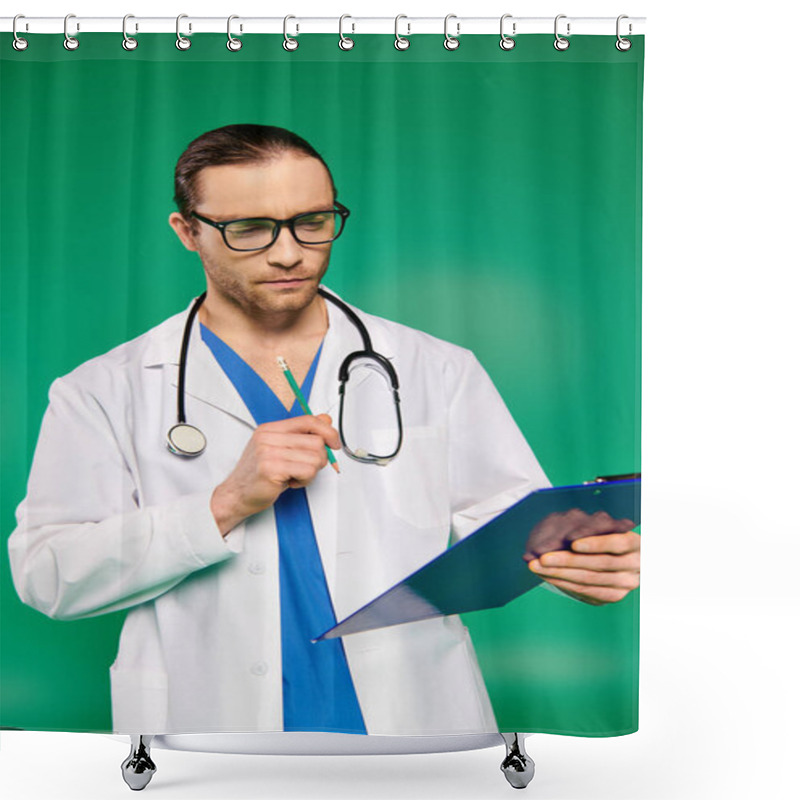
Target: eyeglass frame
{"type": "Point", "coordinates": [279, 225]}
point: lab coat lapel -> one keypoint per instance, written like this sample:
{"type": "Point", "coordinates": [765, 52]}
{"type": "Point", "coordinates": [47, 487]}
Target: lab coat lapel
{"type": "Point", "coordinates": [329, 491]}
{"type": "Point", "coordinates": [205, 379]}
{"type": "Point", "coordinates": [323, 493]}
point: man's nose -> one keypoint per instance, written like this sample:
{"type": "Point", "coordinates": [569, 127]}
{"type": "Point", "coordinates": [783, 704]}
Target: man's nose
{"type": "Point", "coordinates": [285, 251]}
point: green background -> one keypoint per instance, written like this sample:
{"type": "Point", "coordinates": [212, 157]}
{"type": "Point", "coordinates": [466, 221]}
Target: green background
{"type": "Point", "coordinates": [496, 201]}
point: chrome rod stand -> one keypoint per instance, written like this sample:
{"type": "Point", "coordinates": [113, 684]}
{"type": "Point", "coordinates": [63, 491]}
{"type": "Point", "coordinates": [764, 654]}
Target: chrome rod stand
{"type": "Point", "coordinates": [518, 766]}
{"type": "Point", "coordinates": [138, 768]}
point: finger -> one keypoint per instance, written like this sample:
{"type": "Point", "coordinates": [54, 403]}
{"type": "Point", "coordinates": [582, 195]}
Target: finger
{"type": "Point", "coordinates": [584, 577]}
{"type": "Point", "coordinates": [304, 424]}
{"type": "Point", "coordinates": [300, 474]}
{"type": "Point", "coordinates": [617, 543]}
{"type": "Point", "coordinates": [273, 440]}
{"type": "Point", "coordinates": [600, 562]}
{"type": "Point", "coordinates": [327, 421]}
{"type": "Point", "coordinates": [287, 464]}
{"type": "Point", "coordinates": [596, 596]}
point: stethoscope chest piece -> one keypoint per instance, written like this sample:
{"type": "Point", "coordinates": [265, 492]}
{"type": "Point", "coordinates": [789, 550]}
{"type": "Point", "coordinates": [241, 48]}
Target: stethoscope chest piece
{"type": "Point", "coordinates": [185, 440]}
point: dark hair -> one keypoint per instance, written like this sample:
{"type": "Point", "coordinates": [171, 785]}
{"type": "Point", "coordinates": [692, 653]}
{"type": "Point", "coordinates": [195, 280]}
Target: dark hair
{"type": "Point", "coordinates": [233, 144]}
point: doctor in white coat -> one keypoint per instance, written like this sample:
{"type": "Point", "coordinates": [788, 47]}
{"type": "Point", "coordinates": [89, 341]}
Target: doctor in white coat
{"type": "Point", "coordinates": [114, 520]}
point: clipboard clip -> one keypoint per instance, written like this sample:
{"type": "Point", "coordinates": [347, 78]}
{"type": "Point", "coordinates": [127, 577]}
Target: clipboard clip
{"type": "Point", "coordinates": [630, 476]}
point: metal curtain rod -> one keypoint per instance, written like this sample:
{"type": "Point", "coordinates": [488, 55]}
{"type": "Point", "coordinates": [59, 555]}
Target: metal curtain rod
{"type": "Point", "coordinates": [456, 25]}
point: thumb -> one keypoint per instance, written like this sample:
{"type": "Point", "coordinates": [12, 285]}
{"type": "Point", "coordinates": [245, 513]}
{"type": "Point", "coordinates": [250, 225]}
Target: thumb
{"type": "Point", "coordinates": [326, 418]}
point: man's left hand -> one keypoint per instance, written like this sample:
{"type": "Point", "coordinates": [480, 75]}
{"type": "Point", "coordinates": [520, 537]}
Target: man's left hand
{"type": "Point", "coordinates": [596, 570]}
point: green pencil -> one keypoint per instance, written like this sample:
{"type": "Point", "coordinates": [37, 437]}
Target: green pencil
{"type": "Point", "coordinates": [303, 404]}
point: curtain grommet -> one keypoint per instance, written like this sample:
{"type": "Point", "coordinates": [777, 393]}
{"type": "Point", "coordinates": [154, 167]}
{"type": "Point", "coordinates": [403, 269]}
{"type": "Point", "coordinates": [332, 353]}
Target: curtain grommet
{"type": "Point", "coordinates": [233, 44]}
{"type": "Point", "coordinates": [506, 42]}
{"type": "Point", "coordinates": [401, 42]}
{"type": "Point", "coordinates": [19, 44]}
{"type": "Point", "coordinates": [560, 42]}
{"type": "Point", "coordinates": [70, 42]}
{"type": "Point", "coordinates": [182, 43]}
{"type": "Point", "coordinates": [128, 42]}
{"type": "Point", "coordinates": [451, 42]}
{"type": "Point", "coordinates": [622, 44]}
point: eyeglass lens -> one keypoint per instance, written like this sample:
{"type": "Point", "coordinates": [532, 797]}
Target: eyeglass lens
{"type": "Point", "coordinates": [314, 228]}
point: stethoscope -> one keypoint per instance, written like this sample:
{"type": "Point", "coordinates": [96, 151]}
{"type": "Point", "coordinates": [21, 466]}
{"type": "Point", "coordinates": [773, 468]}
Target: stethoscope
{"type": "Point", "coordinates": [189, 441]}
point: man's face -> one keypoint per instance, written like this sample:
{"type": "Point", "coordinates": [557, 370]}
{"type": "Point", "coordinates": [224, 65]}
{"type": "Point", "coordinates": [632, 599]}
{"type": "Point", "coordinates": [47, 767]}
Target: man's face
{"type": "Point", "coordinates": [285, 276]}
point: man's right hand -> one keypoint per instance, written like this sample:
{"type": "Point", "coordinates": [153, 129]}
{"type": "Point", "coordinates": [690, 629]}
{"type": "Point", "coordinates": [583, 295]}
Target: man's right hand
{"type": "Point", "coordinates": [280, 455]}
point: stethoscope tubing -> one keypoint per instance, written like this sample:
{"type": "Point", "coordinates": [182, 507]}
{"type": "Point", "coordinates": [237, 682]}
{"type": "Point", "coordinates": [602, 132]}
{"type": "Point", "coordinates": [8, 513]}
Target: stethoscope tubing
{"type": "Point", "coordinates": [184, 356]}
{"type": "Point", "coordinates": [189, 441]}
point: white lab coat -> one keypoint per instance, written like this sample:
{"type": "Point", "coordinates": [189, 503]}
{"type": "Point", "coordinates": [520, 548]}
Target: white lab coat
{"type": "Point", "coordinates": [112, 520]}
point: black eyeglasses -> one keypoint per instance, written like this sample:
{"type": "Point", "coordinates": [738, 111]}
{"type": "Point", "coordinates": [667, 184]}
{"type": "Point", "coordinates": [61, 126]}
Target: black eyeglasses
{"type": "Point", "coordinates": [259, 233]}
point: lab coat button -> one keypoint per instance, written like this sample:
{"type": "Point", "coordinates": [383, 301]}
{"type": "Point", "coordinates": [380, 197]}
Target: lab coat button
{"type": "Point", "coordinates": [259, 668]}
{"type": "Point", "coordinates": [256, 567]}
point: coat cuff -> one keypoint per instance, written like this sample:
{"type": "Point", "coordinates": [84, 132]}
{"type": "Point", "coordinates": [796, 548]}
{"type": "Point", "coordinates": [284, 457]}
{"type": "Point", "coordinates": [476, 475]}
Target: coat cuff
{"type": "Point", "coordinates": [198, 529]}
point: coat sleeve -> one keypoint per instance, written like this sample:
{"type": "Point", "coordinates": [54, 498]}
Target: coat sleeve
{"type": "Point", "coordinates": [82, 545]}
{"type": "Point", "coordinates": [491, 465]}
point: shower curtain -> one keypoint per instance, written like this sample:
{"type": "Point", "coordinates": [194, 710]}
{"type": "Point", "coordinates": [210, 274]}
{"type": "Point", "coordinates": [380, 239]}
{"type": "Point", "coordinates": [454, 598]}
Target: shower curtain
{"type": "Point", "coordinates": [495, 204]}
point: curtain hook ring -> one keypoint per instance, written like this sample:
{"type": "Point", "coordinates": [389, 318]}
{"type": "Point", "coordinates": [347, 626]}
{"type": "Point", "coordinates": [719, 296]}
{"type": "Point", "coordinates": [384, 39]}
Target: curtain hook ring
{"type": "Point", "coordinates": [128, 42]}
{"type": "Point", "coordinates": [289, 43]}
{"type": "Point", "coordinates": [451, 42]}
{"type": "Point", "coordinates": [623, 44]}
{"type": "Point", "coordinates": [19, 43]}
{"type": "Point", "coordinates": [506, 42]}
{"type": "Point", "coordinates": [560, 43]}
{"type": "Point", "coordinates": [345, 42]}
{"type": "Point", "coordinates": [233, 43]}
{"type": "Point", "coordinates": [182, 43]}
{"type": "Point", "coordinates": [70, 42]}
{"type": "Point", "coordinates": [400, 42]}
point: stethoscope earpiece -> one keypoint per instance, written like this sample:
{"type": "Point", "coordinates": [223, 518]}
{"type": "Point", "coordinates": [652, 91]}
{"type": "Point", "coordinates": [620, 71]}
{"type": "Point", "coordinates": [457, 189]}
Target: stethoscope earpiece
{"type": "Point", "coordinates": [185, 440]}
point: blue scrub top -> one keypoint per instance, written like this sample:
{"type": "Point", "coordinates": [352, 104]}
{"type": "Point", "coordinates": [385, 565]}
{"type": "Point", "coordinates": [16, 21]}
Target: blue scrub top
{"type": "Point", "coordinates": [318, 691]}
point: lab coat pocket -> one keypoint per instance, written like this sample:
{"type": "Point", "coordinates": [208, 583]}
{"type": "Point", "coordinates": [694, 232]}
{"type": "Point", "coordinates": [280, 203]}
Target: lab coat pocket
{"type": "Point", "coordinates": [416, 481]}
{"type": "Point", "coordinates": [140, 699]}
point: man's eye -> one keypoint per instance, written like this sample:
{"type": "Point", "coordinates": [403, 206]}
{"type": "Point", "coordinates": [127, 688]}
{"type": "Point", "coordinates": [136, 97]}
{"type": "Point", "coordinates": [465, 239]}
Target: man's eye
{"type": "Point", "coordinates": [250, 226]}
{"type": "Point", "coordinates": [312, 223]}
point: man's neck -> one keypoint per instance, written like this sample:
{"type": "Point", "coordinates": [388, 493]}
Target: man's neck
{"type": "Point", "coordinates": [234, 324]}
{"type": "Point", "coordinates": [261, 341]}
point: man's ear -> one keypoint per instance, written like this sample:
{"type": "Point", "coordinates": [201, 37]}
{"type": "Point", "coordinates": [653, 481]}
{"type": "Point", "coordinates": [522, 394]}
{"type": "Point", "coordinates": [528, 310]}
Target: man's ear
{"type": "Point", "coordinates": [183, 230]}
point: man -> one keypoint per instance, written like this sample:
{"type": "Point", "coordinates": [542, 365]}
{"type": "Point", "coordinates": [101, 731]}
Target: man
{"type": "Point", "coordinates": [230, 562]}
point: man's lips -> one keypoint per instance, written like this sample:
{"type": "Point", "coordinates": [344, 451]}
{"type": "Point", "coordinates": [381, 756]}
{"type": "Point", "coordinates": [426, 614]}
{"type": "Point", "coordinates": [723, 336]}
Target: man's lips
{"type": "Point", "coordinates": [286, 281]}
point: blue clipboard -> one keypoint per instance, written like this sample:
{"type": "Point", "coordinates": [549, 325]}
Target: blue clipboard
{"type": "Point", "coordinates": [486, 569]}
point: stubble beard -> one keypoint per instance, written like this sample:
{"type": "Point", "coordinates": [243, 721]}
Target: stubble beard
{"type": "Point", "coordinates": [256, 299]}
